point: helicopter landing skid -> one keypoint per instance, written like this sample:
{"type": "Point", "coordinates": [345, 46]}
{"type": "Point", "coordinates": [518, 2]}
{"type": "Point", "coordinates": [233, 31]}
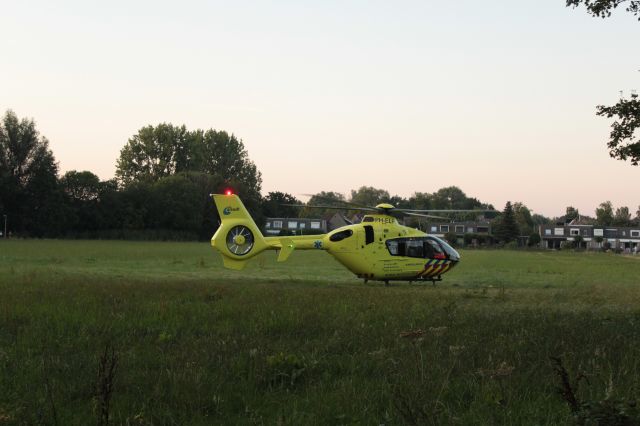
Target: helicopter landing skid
{"type": "Point", "coordinates": [433, 280]}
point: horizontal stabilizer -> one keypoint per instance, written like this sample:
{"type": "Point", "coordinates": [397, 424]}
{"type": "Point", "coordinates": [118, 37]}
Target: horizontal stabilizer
{"type": "Point", "coordinates": [287, 248]}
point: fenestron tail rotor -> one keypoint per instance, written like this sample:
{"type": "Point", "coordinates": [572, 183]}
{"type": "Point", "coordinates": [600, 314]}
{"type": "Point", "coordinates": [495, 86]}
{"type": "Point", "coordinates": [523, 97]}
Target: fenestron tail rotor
{"type": "Point", "coordinates": [240, 240]}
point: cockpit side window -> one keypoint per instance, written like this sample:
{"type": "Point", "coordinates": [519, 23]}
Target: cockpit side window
{"type": "Point", "coordinates": [438, 252]}
{"type": "Point", "coordinates": [420, 247]}
{"type": "Point", "coordinates": [447, 250]}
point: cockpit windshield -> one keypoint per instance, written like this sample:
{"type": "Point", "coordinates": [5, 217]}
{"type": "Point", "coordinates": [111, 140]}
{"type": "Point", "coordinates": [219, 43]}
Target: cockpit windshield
{"type": "Point", "coordinates": [422, 247]}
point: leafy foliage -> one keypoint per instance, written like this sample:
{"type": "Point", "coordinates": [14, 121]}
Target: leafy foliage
{"type": "Point", "coordinates": [323, 198]}
{"type": "Point", "coordinates": [622, 216]}
{"type": "Point", "coordinates": [534, 239]}
{"type": "Point", "coordinates": [523, 218]}
{"type": "Point", "coordinates": [506, 226]}
{"type": "Point", "coordinates": [165, 150]}
{"type": "Point", "coordinates": [623, 143]}
{"type": "Point", "coordinates": [273, 205]}
{"type": "Point", "coordinates": [623, 140]}
{"type": "Point", "coordinates": [604, 214]}
{"type": "Point", "coordinates": [156, 152]}
{"type": "Point", "coordinates": [369, 196]}
{"type": "Point", "coordinates": [30, 196]}
{"type": "Point", "coordinates": [571, 214]}
{"type": "Point", "coordinates": [603, 8]}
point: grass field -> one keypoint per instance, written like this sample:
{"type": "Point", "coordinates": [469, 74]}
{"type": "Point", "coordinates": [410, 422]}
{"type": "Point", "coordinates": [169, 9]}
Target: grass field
{"type": "Point", "coordinates": [160, 333]}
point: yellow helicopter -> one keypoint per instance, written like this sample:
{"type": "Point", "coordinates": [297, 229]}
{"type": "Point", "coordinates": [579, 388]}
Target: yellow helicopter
{"type": "Point", "coordinates": [378, 248]}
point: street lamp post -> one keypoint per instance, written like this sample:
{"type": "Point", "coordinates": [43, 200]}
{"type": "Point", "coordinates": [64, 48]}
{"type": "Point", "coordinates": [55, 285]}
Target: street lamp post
{"type": "Point", "coordinates": [5, 225]}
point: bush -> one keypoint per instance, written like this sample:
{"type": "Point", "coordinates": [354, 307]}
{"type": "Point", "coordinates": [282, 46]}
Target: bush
{"type": "Point", "coordinates": [534, 239]}
{"type": "Point", "coordinates": [566, 245]}
{"type": "Point", "coordinates": [577, 241]}
{"type": "Point", "coordinates": [479, 239]}
{"type": "Point", "coordinates": [511, 245]}
{"type": "Point", "coordinates": [451, 238]}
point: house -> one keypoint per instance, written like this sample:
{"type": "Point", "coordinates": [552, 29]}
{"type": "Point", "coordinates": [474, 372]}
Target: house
{"type": "Point", "coordinates": [479, 231]}
{"type": "Point", "coordinates": [592, 236]}
{"type": "Point", "coordinates": [294, 226]}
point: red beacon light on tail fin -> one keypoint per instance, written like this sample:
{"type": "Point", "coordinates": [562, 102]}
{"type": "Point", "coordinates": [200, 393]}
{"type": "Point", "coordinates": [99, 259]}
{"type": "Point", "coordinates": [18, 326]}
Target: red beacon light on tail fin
{"type": "Point", "coordinates": [228, 192]}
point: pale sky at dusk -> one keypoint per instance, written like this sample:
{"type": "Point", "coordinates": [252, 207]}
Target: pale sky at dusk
{"type": "Point", "coordinates": [495, 97]}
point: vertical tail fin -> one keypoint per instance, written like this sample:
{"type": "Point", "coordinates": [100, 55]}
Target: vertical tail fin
{"type": "Point", "coordinates": [238, 238]}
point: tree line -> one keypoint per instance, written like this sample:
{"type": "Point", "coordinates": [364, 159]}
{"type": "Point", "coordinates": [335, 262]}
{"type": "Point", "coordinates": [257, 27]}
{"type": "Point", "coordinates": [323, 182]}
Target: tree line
{"type": "Point", "coordinates": [164, 177]}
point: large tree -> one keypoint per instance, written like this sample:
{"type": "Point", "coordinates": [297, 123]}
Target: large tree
{"type": "Point", "coordinates": [421, 200]}
{"type": "Point", "coordinates": [274, 205]}
{"type": "Point", "coordinates": [324, 198]}
{"type": "Point", "coordinates": [571, 214]}
{"type": "Point", "coordinates": [623, 141]}
{"type": "Point", "coordinates": [29, 192]}
{"type": "Point", "coordinates": [82, 190]}
{"type": "Point", "coordinates": [155, 152]}
{"type": "Point", "coordinates": [622, 216]}
{"type": "Point", "coordinates": [165, 150]}
{"type": "Point", "coordinates": [523, 218]}
{"type": "Point", "coordinates": [506, 228]}
{"type": "Point", "coordinates": [212, 160]}
{"type": "Point", "coordinates": [369, 196]}
{"type": "Point", "coordinates": [81, 186]}
{"type": "Point", "coordinates": [604, 214]}
{"type": "Point", "coordinates": [224, 155]}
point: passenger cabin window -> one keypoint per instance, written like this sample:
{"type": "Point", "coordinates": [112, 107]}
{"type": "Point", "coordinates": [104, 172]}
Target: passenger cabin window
{"type": "Point", "coordinates": [368, 234]}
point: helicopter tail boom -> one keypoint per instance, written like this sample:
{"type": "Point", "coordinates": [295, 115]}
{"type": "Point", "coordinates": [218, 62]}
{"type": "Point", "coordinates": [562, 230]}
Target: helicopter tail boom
{"type": "Point", "coordinates": [238, 238]}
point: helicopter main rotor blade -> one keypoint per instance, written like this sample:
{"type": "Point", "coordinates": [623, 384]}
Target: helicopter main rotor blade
{"type": "Point", "coordinates": [447, 211]}
{"type": "Point", "coordinates": [429, 216]}
{"type": "Point", "coordinates": [317, 206]}
{"type": "Point", "coordinates": [333, 200]}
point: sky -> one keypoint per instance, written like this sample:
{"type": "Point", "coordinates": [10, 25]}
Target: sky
{"type": "Point", "coordinates": [495, 97]}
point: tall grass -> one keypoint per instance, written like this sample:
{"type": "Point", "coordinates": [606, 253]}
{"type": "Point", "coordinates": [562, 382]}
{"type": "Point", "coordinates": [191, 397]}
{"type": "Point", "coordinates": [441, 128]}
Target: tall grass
{"type": "Point", "coordinates": [304, 342]}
